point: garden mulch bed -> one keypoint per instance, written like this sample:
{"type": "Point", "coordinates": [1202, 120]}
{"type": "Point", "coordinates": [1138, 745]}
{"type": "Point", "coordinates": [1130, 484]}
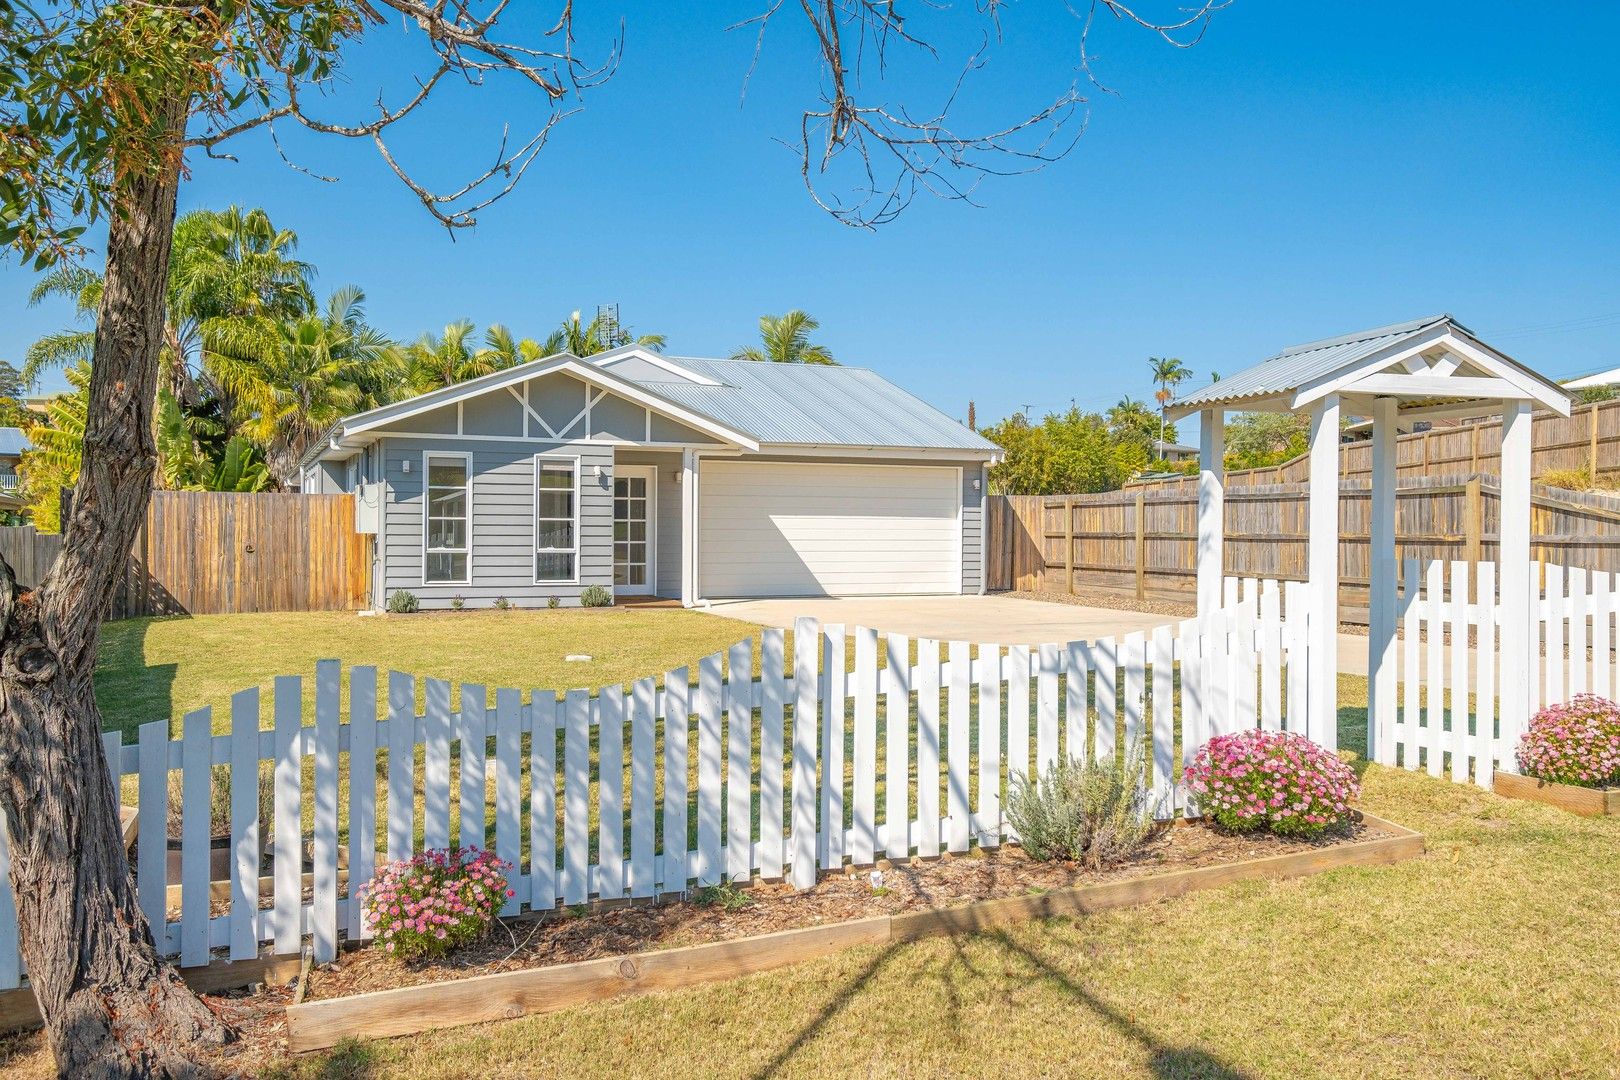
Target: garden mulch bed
{"type": "Point", "coordinates": [983, 874]}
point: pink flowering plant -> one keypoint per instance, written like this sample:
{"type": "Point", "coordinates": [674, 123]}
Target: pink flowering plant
{"type": "Point", "coordinates": [1276, 780]}
{"type": "Point", "coordinates": [435, 902]}
{"type": "Point", "coordinates": [1577, 742]}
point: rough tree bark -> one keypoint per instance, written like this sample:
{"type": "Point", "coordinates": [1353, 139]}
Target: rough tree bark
{"type": "Point", "coordinates": [112, 1006]}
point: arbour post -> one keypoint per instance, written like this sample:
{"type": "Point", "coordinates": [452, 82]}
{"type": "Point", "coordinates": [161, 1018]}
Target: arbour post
{"type": "Point", "coordinates": [1211, 507]}
{"type": "Point", "coordinates": [1323, 587]}
{"type": "Point", "coordinates": [1518, 666]}
{"type": "Point", "coordinates": [1381, 587]}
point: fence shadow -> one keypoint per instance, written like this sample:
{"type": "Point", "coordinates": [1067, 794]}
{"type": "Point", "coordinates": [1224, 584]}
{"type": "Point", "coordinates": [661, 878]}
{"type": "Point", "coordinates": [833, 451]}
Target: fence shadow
{"type": "Point", "coordinates": [1165, 1059]}
{"type": "Point", "coordinates": [129, 690]}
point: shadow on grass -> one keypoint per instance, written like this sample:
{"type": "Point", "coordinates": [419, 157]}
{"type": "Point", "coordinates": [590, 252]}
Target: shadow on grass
{"type": "Point", "coordinates": [1164, 1060]}
{"type": "Point", "coordinates": [348, 1060]}
{"type": "Point", "coordinates": [130, 692]}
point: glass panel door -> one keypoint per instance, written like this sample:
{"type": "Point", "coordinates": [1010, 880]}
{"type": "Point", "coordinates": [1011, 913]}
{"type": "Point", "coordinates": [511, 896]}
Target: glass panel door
{"type": "Point", "coordinates": [633, 529]}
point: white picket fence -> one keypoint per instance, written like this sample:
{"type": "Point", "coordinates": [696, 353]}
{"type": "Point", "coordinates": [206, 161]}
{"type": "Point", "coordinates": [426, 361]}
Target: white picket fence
{"type": "Point", "coordinates": [746, 787]}
{"type": "Point", "coordinates": [1450, 662]}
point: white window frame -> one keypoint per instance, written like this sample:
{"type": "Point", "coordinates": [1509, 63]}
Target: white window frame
{"type": "Point", "coordinates": [466, 459]}
{"type": "Point", "coordinates": [540, 463]}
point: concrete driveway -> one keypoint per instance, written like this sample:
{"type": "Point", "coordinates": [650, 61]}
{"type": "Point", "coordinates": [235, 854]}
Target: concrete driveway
{"type": "Point", "coordinates": [999, 620]}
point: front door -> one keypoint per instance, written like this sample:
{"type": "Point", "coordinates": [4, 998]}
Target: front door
{"type": "Point", "coordinates": [634, 524]}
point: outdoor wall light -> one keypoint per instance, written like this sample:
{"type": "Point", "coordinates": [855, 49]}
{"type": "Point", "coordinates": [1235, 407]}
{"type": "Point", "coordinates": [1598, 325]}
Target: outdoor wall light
{"type": "Point", "coordinates": [405, 466]}
{"type": "Point", "coordinates": [977, 483]}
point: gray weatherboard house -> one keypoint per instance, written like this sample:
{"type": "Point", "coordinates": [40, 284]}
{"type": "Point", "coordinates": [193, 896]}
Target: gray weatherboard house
{"type": "Point", "coordinates": [662, 476]}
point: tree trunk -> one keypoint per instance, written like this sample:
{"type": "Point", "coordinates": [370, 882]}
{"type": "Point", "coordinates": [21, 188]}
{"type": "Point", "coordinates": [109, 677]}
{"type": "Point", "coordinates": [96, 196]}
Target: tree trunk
{"type": "Point", "coordinates": [112, 1006]}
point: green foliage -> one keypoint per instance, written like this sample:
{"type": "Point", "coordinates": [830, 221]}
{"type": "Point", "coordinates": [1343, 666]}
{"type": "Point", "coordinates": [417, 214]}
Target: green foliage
{"type": "Point", "coordinates": [726, 896]}
{"type": "Point", "coordinates": [1072, 453]}
{"type": "Point", "coordinates": [502, 604]}
{"type": "Point", "coordinates": [588, 339]}
{"type": "Point", "coordinates": [1133, 422]}
{"type": "Point", "coordinates": [1095, 812]}
{"type": "Point", "coordinates": [404, 602]}
{"type": "Point", "coordinates": [596, 596]}
{"type": "Point", "coordinates": [58, 444]}
{"type": "Point", "coordinates": [1258, 439]}
{"type": "Point", "coordinates": [1592, 394]}
{"type": "Point", "coordinates": [785, 339]}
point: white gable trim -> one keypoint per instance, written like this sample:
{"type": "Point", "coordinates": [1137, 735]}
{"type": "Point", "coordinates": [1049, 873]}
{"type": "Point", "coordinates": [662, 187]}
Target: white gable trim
{"type": "Point", "coordinates": [1396, 352]}
{"type": "Point", "coordinates": [563, 362]}
{"type": "Point", "coordinates": [1502, 379]}
{"type": "Point", "coordinates": [664, 363]}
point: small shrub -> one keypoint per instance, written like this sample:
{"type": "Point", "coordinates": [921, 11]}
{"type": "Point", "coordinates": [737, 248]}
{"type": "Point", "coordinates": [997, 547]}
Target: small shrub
{"type": "Point", "coordinates": [1579, 479]}
{"type": "Point", "coordinates": [725, 896]}
{"type": "Point", "coordinates": [435, 902]}
{"type": "Point", "coordinates": [403, 602]}
{"type": "Point", "coordinates": [457, 603]}
{"type": "Point", "coordinates": [502, 603]}
{"type": "Point", "coordinates": [1093, 812]}
{"type": "Point", "coordinates": [1276, 780]}
{"type": "Point", "coordinates": [553, 602]}
{"type": "Point", "coordinates": [1577, 742]}
{"type": "Point", "coordinates": [596, 596]}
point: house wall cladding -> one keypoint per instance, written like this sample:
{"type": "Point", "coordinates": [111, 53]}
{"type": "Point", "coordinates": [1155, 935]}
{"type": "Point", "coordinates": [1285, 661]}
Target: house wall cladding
{"type": "Point", "coordinates": [502, 512]}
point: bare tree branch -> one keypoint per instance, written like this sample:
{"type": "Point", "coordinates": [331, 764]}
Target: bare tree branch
{"type": "Point", "coordinates": [898, 151]}
{"type": "Point", "coordinates": [463, 37]}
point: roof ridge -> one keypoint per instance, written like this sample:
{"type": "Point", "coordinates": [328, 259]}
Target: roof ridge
{"type": "Point", "coordinates": [802, 367]}
{"type": "Point", "coordinates": [1375, 332]}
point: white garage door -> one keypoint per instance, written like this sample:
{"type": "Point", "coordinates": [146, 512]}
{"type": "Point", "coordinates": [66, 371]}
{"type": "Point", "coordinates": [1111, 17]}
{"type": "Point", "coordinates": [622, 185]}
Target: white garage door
{"type": "Point", "coordinates": [810, 529]}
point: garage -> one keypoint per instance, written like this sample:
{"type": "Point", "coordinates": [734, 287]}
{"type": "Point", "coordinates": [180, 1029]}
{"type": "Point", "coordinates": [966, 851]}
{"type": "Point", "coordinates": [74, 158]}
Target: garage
{"type": "Point", "coordinates": [826, 529]}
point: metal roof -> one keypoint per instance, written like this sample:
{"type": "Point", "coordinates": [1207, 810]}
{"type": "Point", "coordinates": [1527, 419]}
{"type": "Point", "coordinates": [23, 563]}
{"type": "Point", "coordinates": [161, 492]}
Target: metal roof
{"type": "Point", "coordinates": [1300, 364]}
{"type": "Point", "coordinates": [829, 406]}
{"type": "Point", "coordinates": [13, 441]}
{"type": "Point", "coordinates": [815, 404]}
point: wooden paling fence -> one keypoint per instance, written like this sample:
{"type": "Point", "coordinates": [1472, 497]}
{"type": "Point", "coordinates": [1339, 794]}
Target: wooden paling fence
{"type": "Point", "coordinates": [1589, 437]}
{"type": "Point", "coordinates": [1450, 665]}
{"type": "Point", "coordinates": [209, 553]}
{"type": "Point", "coordinates": [910, 750]}
{"type": "Point", "coordinates": [1144, 541]}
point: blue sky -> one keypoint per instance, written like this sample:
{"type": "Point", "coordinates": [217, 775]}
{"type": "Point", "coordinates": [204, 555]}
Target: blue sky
{"type": "Point", "coordinates": [1304, 171]}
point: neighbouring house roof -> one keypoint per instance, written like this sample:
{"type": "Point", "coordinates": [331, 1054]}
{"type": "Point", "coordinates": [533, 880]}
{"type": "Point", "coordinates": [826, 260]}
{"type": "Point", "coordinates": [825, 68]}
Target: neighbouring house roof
{"type": "Point", "coordinates": [1162, 448]}
{"type": "Point", "coordinates": [13, 441]}
{"type": "Point", "coordinates": [749, 403]}
{"type": "Point", "coordinates": [1601, 378]}
{"type": "Point", "coordinates": [1300, 367]}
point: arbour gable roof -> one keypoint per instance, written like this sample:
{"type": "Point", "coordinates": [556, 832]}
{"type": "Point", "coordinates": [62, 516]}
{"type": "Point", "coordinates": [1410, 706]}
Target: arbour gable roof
{"type": "Point", "coordinates": [1439, 360]}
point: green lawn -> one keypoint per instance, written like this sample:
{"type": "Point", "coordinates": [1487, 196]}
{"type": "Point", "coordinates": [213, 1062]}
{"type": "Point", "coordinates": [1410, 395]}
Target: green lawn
{"type": "Point", "coordinates": [156, 668]}
{"type": "Point", "coordinates": [1496, 954]}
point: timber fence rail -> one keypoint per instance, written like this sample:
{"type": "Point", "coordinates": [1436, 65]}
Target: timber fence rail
{"type": "Point", "coordinates": [1143, 541]}
{"type": "Point", "coordinates": [211, 553]}
{"type": "Point", "coordinates": [642, 793]}
{"type": "Point", "coordinates": [1589, 437]}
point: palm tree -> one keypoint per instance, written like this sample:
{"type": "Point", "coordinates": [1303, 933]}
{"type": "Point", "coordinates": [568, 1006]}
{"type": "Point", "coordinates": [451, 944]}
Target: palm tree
{"type": "Point", "coordinates": [432, 363]}
{"type": "Point", "coordinates": [1169, 372]}
{"type": "Point", "coordinates": [588, 339]}
{"type": "Point", "coordinates": [58, 441]}
{"type": "Point", "coordinates": [1132, 421]}
{"type": "Point", "coordinates": [307, 373]}
{"type": "Point", "coordinates": [231, 270]}
{"type": "Point", "coordinates": [785, 339]}
{"type": "Point", "coordinates": [505, 351]}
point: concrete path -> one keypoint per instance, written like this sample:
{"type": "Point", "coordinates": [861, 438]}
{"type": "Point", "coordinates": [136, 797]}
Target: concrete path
{"type": "Point", "coordinates": [1004, 620]}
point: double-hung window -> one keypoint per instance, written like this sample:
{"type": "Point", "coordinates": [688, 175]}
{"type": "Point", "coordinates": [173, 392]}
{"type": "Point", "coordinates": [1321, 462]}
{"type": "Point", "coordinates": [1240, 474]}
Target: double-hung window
{"type": "Point", "coordinates": [447, 524]}
{"type": "Point", "coordinates": [556, 519]}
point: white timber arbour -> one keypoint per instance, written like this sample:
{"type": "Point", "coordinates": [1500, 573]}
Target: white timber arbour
{"type": "Point", "coordinates": [1397, 375]}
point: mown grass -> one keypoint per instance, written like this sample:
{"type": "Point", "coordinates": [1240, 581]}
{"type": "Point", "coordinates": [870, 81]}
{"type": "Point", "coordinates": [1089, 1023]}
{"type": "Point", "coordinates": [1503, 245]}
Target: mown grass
{"type": "Point", "coordinates": [152, 669]}
{"type": "Point", "coordinates": [1495, 954]}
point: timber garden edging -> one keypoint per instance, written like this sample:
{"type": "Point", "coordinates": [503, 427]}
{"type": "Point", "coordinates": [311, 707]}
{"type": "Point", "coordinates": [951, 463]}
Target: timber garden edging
{"type": "Point", "coordinates": [412, 1010]}
{"type": "Point", "coordinates": [1588, 802]}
